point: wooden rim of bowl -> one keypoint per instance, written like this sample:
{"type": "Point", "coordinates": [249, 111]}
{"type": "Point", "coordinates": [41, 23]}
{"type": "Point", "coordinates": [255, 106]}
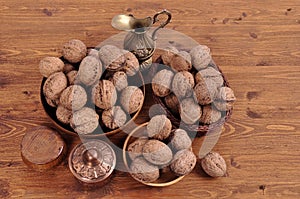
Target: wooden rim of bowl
{"type": "Point", "coordinates": [89, 136]}
{"type": "Point", "coordinates": [153, 184]}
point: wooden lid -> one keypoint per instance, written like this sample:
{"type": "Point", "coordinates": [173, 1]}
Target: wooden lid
{"type": "Point", "coordinates": [42, 148]}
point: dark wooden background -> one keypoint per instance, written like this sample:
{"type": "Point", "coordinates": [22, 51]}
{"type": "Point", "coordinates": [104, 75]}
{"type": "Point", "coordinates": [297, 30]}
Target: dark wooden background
{"type": "Point", "coordinates": [257, 45]}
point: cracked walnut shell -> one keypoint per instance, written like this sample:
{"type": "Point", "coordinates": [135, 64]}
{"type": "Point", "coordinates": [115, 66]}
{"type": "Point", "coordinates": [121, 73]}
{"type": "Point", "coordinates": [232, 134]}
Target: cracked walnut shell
{"type": "Point", "coordinates": [73, 97]}
{"type": "Point", "coordinates": [135, 149]}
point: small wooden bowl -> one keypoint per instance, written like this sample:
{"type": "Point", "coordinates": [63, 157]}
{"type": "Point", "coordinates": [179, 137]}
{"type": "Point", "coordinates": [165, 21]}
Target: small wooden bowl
{"type": "Point", "coordinates": [165, 179]}
{"type": "Point", "coordinates": [51, 113]}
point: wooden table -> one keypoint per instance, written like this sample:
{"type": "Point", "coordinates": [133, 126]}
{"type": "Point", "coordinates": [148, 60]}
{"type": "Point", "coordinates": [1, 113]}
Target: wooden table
{"type": "Point", "coordinates": [257, 45]}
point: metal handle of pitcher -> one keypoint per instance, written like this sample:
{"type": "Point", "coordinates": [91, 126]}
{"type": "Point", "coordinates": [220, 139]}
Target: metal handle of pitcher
{"type": "Point", "coordinates": [163, 24]}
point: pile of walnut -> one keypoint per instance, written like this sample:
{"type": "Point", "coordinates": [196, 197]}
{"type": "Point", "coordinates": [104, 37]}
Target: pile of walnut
{"type": "Point", "coordinates": [85, 79]}
{"type": "Point", "coordinates": [190, 87]}
{"type": "Point", "coordinates": [164, 150]}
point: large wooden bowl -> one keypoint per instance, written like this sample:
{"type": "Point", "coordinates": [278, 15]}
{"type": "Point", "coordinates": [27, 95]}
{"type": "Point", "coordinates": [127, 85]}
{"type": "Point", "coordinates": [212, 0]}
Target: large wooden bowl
{"type": "Point", "coordinates": [101, 130]}
{"type": "Point", "coordinates": [165, 179]}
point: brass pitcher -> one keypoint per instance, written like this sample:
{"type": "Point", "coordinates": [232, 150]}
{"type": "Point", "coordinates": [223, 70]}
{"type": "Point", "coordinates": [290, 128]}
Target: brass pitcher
{"type": "Point", "coordinates": [139, 41]}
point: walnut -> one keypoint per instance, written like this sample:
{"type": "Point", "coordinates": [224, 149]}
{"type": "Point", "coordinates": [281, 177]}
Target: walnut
{"type": "Point", "coordinates": [74, 51]}
{"type": "Point", "coordinates": [172, 103]}
{"type": "Point", "coordinates": [143, 171]}
{"type": "Point", "coordinates": [167, 56]}
{"type": "Point", "coordinates": [131, 65]}
{"type": "Point", "coordinates": [84, 121]}
{"type": "Point", "coordinates": [114, 117]}
{"type": "Point", "coordinates": [54, 85]}
{"type": "Point", "coordinates": [68, 67]}
{"type": "Point", "coordinates": [63, 114]}
{"type": "Point", "coordinates": [214, 165]}
{"type": "Point", "coordinates": [156, 57]}
{"type": "Point", "coordinates": [90, 70]}
{"type": "Point", "coordinates": [132, 99]}
{"type": "Point", "coordinates": [50, 65]}
{"type": "Point", "coordinates": [183, 162]}
{"type": "Point", "coordinates": [190, 111]}
{"type": "Point", "coordinates": [161, 83]}
{"type": "Point", "coordinates": [73, 97]}
{"type": "Point", "coordinates": [200, 57]}
{"type": "Point", "coordinates": [210, 73]}
{"type": "Point", "coordinates": [72, 77]}
{"type": "Point", "coordinates": [112, 57]}
{"type": "Point", "coordinates": [104, 94]}
{"type": "Point", "coordinates": [135, 149]}
{"type": "Point", "coordinates": [157, 152]}
{"type": "Point", "coordinates": [181, 61]}
{"type": "Point", "coordinates": [159, 127]}
{"type": "Point", "coordinates": [119, 79]}
{"type": "Point", "coordinates": [180, 140]}
{"type": "Point", "coordinates": [225, 99]}
{"type": "Point", "coordinates": [205, 92]}
{"type": "Point", "coordinates": [210, 115]}
{"type": "Point", "coordinates": [183, 84]}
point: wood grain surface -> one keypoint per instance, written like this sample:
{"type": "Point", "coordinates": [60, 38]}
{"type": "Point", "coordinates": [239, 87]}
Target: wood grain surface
{"type": "Point", "coordinates": [257, 45]}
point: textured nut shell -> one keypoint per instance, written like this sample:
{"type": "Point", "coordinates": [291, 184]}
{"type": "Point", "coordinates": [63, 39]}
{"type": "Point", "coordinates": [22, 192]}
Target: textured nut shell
{"type": "Point", "coordinates": [111, 56]}
{"type": "Point", "coordinates": [210, 115]}
{"type": "Point", "coordinates": [104, 94]}
{"type": "Point", "coordinates": [114, 117]}
{"type": "Point", "coordinates": [73, 97]}
{"type": "Point", "coordinates": [226, 94]}
{"type": "Point", "coordinates": [94, 53]}
{"type": "Point", "coordinates": [74, 50]}
{"type": "Point", "coordinates": [183, 84]}
{"type": "Point", "coordinates": [50, 65]}
{"type": "Point", "coordinates": [214, 165]}
{"type": "Point", "coordinates": [159, 127]}
{"type": "Point", "coordinates": [144, 171]}
{"type": "Point", "coordinates": [157, 152]}
{"type": "Point", "coordinates": [72, 76]}
{"type": "Point", "coordinates": [223, 105]}
{"type": "Point", "coordinates": [63, 114]}
{"type": "Point", "coordinates": [167, 56]}
{"type": "Point", "coordinates": [210, 73]}
{"type": "Point", "coordinates": [200, 56]}
{"type": "Point", "coordinates": [172, 103]}
{"type": "Point", "coordinates": [68, 67]}
{"type": "Point", "coordinates": [90, 70]}
{"type": "Point", "coordinates": [190, 111]}
{"type": "Point", "coordinates": [119, 79]}
{"type": "Point", "coordinates": [181, 61]}
{"type": "Point", "coordinates": [156, 57]}
{"type": "Point", "coordinates": [205, 92]}
{"type": "Point", "coordinates": [54, 85]}
{"type": "Point", "coordinates": [180, 140]}
{"type": "Point", "coordinates": [131, 65]}
{"type": "Point", "coordinates": [131, 99]}
{"type": "Point", "coordinates": [84, 121]}
{"type": "Point", "coordinates": [183, 162]}
{"type": "Point", "coordinates": [135, 149]}
{"type": "Point", "coordinates": [52, 103]}
{"type": "Point", "coordinates": [161, 83]}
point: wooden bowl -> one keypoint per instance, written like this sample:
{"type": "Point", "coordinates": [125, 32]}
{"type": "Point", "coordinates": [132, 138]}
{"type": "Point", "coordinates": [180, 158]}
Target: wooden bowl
{"type": "Point", "coordinates": [51, 113]}
{"type": "Point", "coordinates": [165, 179]}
